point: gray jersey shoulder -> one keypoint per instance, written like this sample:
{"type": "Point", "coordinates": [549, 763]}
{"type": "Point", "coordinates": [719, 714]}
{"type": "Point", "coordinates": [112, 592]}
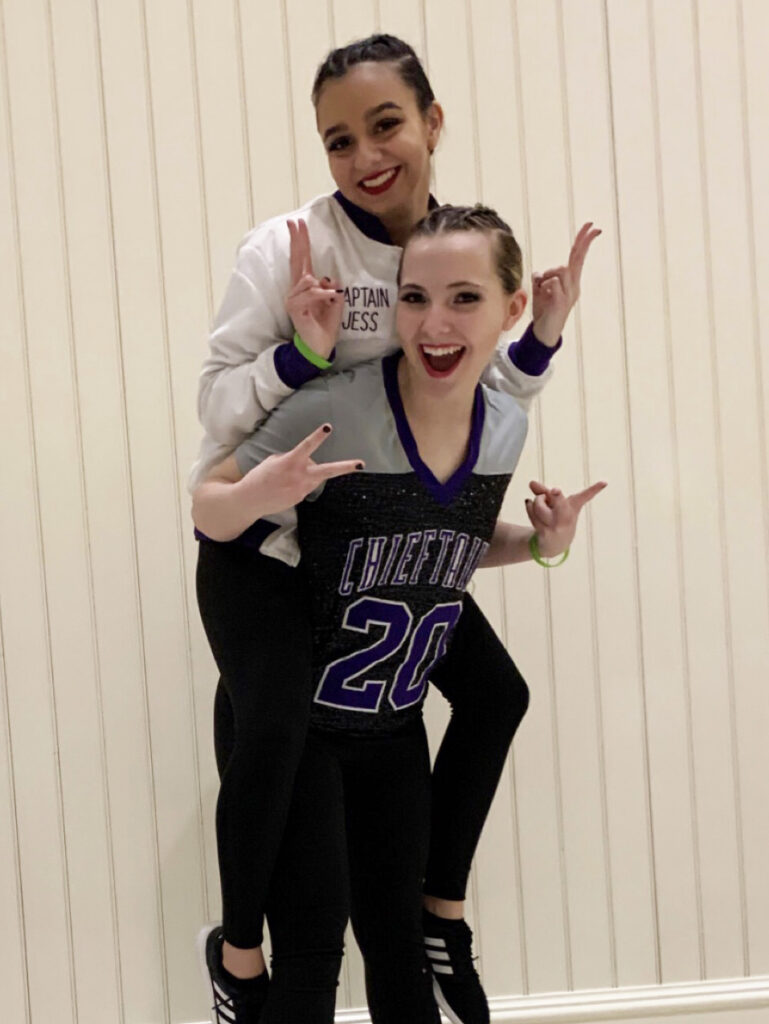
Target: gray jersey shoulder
{"type": "Point", "coordinates": [504, 433]}
{"type": "Point", "coordinates": [354, 402]}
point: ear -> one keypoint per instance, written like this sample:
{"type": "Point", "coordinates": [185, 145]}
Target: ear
{"type": "Point", "coordinates": [516, 304]}
{"type": "Point", "coordinates": [434, 121]}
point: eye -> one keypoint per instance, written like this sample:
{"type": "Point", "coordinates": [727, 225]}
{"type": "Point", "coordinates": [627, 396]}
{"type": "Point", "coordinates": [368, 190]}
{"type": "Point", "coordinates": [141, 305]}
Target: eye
{"type": "Point", "coordinates": [463, 298]}
{"type": "Point", "coordinates": [411, 298]}
{"type": "Point", "coordinates": [339, 143]}
{"type": "Point", "coordinates": [386, 124]}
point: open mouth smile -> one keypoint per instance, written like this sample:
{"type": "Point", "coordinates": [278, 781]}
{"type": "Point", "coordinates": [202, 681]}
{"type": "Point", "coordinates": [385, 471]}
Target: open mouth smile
{"type": "Point", "coordinates": [379, 183]}
{"type": "Point", "coordinates": [441, 360]}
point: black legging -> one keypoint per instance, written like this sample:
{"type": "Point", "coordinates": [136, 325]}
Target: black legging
{"type": "Point", "coordinates": [355, 843]}
{"type": "Point", "coordinates": [261, 717]}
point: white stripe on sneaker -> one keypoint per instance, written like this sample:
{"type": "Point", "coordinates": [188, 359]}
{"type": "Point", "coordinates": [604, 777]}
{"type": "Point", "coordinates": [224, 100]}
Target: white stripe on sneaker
{"type": "Point", "coordinates": [434, 954]}
{"type": "Point", "coordinates": [435, 942]}
{"type": "Point", "coordinates": [441, 969]}
{"type": "Point", "coordinates": [225, 1014]}
{"type": "Point", "coordinates": [443, 1003]}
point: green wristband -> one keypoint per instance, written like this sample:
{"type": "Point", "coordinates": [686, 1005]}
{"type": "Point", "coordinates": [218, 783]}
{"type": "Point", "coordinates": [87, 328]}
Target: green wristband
{"type": "Point", "coordinates": [537, 555]}
{"type": "Point", "coordinates": [309, 355]}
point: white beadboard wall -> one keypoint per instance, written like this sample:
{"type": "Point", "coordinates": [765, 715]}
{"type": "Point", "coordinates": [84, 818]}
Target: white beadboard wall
{"type": "Point", "coordinates": [622, 874]}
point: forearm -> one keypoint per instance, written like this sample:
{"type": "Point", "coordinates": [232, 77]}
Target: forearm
{"type": "Point", "coordinates": [509, 545]}
{"type": "Point", "coordinates": [222, 511]}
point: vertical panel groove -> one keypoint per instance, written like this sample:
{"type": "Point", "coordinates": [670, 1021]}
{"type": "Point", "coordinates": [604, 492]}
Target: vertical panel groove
{"type": "Point", "coordinates": [131, 506]}
{"type": "Point", "coordinates": [527, 236]}
{"type": "Point", "coordinates": [707, 235]}
{"type": "Point", "coordinates": [331, 22]}
{"type": "Point", "coordinates": [425, 49]}
{"type": "Point", "coordinates": [633, 501]}
{"type": "Point", "coordinates": [592, 583]}
{"type": "Point", "coordinates": [291, 117]}
{"type": "Point", "coordinates": [755, 318]}
{"type": "Point", "coordinates": [378, 15]}
{"type": "Point", "coordinates": [198, 126]}
{"type": "Point", "coordinates": [550, 641]}
{"type": "Point", "coordinates": [244, 109]}
{"type": "Point", "coordinates": [6, 716]}
{"type": "Point", "coordinates": [514, 832]}
{"type": "Point", "coordinates": [24, 340]}
{"type": "Point", "coordinates": [676, 459]}
{"type": "Point", "coordinates": [9, 149]}
{"type": "Point", "coordinates": [85, 518]}
{"type": "Point", "coordinates": [174, 452]}
{"type": "Point", "coordinates": [474, 102]}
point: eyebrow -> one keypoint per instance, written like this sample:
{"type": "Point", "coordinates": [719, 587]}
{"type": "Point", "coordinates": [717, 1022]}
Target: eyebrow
{"type": "Point", "coordinates": [454, 284]}
{"type": "Point", "coordinates": [387, 105]}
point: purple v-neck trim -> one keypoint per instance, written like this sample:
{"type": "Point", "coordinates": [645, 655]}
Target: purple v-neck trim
{"type": "Point", "coordinates": [368, 223]}
{"type": "Point", "coordinates": [443, 493]}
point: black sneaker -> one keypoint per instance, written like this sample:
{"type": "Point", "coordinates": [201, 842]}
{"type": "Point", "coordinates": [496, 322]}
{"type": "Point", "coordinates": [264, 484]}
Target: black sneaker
{"type": "Point", "coordinates": [456, 985]}
{"type": "Point", "coordinates": [236, 1001]}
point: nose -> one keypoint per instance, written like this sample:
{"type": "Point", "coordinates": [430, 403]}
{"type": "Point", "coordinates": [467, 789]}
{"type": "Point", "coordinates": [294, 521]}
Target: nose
{"type": "Point", "coordinates": [368, 155]}
{"type": "Point", "coordinates": [436, 324]}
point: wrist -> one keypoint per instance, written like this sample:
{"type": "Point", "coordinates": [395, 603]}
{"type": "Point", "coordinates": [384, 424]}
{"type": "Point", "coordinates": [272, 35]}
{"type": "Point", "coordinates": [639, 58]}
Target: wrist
{"type": "Point", "coordinates": [546, 335]}
{"type": "Point", "coordinates": [312, 355]}
{"type": "Point", "coordinates": [541, 553]}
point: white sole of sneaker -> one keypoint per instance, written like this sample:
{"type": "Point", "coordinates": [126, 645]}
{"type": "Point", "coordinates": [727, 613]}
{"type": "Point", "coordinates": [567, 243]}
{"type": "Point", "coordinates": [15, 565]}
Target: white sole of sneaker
{"type": "Point", "coordinates": [200, 947]}
{"type": "Point", "coordinates": [443, 1005]}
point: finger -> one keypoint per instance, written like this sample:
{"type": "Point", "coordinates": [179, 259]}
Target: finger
{"type": "Point", "coordinates": [328, 470]}
{"type": "Point", "coordinates": [579, 500]}
{"type": "Point", "coordinates": [541, 510]}
{"type": "Point", "coordinates": [304, 233]}
{"type": "Point", "coordinates": [530, 512]}
{"type": "Point", "coordinates": [304, 284]}
{"type": "Point", "coordinates": [537, 488]}
{"type": "Point", "coordinates": [318, 296]}
{"type": "Point", "coordinates": [295, 257]}
{"type": "Point", "coordinates": [312, 442]}
{"type": "Point", "coordinates": [587, 235]}
{"type": "Point", "coordinates": [553, 272]}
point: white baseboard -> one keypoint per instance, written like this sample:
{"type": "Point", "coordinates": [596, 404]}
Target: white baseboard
{"type": "Point", "coordinates": [672, 1002]}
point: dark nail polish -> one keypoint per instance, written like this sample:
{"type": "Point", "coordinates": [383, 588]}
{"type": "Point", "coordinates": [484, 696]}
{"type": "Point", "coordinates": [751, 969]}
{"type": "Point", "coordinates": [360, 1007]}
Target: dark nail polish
{"type": "Point", "coordinates": [326, 428]}
{"type": "Point", "coordinates": [359, 465]}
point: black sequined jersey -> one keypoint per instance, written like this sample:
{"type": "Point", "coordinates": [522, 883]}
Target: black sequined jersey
{"type": "Point", "coordinates": [387, 552]}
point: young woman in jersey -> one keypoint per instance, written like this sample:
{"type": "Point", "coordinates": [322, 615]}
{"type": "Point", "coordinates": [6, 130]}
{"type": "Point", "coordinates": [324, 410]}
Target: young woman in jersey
{"type": "Point", "coordinates": [423, 454]}
{"type": "Point", "coordinates": [379, 123]}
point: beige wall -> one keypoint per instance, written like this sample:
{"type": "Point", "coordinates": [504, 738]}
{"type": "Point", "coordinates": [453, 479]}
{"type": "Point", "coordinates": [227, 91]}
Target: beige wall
{"type": "Point", "coordinates": [139, 141]}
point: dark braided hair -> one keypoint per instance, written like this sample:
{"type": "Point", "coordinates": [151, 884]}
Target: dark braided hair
{"type": "Point", "coordinates": [383, 49]}
{"type": "Point", "coordinates": [445, 219]}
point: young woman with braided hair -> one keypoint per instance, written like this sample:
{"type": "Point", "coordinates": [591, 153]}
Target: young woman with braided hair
{"type": "Point", "coordinates": [414, 456]}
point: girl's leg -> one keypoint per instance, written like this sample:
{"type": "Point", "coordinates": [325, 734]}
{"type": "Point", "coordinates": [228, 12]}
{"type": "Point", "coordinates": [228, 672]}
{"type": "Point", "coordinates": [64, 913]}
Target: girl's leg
{"type": "Point", "coordinates": [308, 907]}
{"type": "Point", "coordinates": [253, 610]}
{"type": "Point", "coordinates": [488, 698]}
{"type": "Point", "coordinates": [387, 811]}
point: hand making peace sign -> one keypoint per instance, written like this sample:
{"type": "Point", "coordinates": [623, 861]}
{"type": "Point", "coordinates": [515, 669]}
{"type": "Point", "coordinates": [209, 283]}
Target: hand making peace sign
{"type": "Point", "coordinates": [555, 292]}
{"type": "Point", "coordinates": [282, 481]}
{"type": "Point", "coordinates": [315, 306]}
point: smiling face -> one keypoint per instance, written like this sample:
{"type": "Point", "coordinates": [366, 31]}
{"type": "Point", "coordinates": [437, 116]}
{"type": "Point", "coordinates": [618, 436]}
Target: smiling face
{"type": "Point", "coordinates": [452, 308]}
{"type": "Point", "coordinates": [377, 141]}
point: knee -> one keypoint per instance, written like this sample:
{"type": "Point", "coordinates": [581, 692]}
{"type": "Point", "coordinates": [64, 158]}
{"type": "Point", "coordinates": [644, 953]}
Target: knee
{"type": "Point", "coordinates": [307, 971]}
{"type": "Point", "coordinates": [502, 698]}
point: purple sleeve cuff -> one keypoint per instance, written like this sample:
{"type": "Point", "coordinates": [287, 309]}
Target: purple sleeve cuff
{"type": "Point", "coordinates": [291, 366]}
{"type": "Point", "coordinates": [530, 355]}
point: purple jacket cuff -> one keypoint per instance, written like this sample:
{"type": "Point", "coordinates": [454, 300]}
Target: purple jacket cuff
{"type": "Point", "coordinates": [530, 355]}
{"type": "Point", "coordinates": [291, 366]}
